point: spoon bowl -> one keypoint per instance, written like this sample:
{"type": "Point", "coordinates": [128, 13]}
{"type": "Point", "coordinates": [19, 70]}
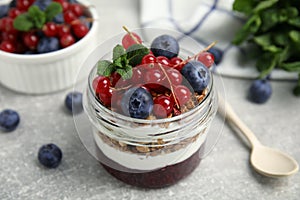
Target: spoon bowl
{"type": "Point", "coordinates": [265, 160]}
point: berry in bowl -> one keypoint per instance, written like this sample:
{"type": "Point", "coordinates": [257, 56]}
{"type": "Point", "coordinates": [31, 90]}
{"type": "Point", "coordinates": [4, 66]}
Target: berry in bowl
{"type": "Point", "coordinates": [150, 106]}
{"type": "Point", "coordinates": [44, 42]}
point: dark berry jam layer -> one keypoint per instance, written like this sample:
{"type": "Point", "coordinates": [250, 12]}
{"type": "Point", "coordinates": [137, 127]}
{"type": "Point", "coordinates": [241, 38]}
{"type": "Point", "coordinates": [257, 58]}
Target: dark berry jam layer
{"type": "Point", "coordinates": [159, 178]}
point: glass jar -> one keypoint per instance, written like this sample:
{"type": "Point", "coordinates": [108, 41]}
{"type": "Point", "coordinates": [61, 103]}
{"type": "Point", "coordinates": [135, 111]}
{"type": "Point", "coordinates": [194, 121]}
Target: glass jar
{"type": "Point", "coordinates": [150, 153]}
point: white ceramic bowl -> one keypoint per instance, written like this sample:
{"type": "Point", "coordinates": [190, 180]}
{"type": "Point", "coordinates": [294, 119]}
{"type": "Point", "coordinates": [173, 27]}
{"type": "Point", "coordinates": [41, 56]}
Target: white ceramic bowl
{"type": "Point", "coordinates": [49, 72]}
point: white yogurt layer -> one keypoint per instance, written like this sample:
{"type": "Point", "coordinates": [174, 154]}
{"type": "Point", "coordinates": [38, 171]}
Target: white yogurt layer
{"type": "Point", "coordinates": [145, 162]}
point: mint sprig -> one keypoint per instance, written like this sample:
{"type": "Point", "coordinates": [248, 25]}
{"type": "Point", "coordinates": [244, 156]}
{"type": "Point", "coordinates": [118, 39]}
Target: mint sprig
{"type": "Point", "coordinates": [122, 61]}
{"type": "Point", "coordinates": [36, 18]}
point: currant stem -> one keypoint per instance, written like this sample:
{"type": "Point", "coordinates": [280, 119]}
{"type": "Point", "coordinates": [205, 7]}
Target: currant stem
{"type": "Point", "coordinates": [196, 55]}
{"type": "Point", "coordinates": [131, 35]}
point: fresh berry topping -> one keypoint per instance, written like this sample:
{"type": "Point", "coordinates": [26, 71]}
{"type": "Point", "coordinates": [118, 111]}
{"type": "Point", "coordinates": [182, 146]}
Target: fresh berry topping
{"type": "Point", "coordinates": [9, 120]}
{"type": "Point", "coordinates": [101, 84]}
{"type": "Point", "coordinates": [217, 53]}
{"type": "Point", "coordinates": [197, 75]}
{"type": "Point", "coordinates": [165, 45]}
{"type": "Point", "coordinates": [14, 12]}
{"type": "Point", "coordinates": [69, 16]}
{"type": "Point", "coordinates": [59, 19]}
{"type": "Point", "coordinates": [12, 37]}
{"type": "Point", "coordinates": [64, 4]}
{"type": "Point", "coordinates": [260, 91]}
{"type": "Point", "coordinates": [105, 96]}
{"type": "Point", "coordinates": [163, 60]}
{"type": "Point", "coordinates": [6, 24]}
{"type": "Point", "coordinates": [7, 46]}
{"type": "Point", "coordinates": [48, 44]}
{"type": "Point", "coordinates": [206, 58]}
{"type": "Point", "coordinates": [137, 103]}
{"type": "Point", "coordinates": [154, 78]}
{"type": "Point", "coordinates": [63, 30]}
{"type": "Point", "coordinates": [49, 29]}
{"type": "Point", "coordinates": [66, 40]}
{"type": "Point", "coordinates": [174, 76]}
{"type": "Point", "coordinates": [76, 9]}
{"type": "Point", "coordinates": [24, 4]}
{"type": "Point", "coordinates": [163, 106]}
{"type": "Point", "coordinates": [73, 102]}
{"type": "Point", "coordinates": [176, 61]}
{"type": "Point", "coordinates": [42, 4]}
{"type": "Point", "coordinates": [50, 155]}
{"type": "Point", "coordinates": [131, 38]}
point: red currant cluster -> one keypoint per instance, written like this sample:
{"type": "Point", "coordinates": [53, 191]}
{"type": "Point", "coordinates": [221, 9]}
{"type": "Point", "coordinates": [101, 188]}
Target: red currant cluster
{"type": "Point", "coordinates": [158, 75]}
{"type": "Point", "coordinates": [73, 25]}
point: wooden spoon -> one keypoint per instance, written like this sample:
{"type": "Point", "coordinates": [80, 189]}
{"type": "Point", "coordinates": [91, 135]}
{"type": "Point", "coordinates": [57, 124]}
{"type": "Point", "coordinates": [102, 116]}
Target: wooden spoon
{"type": "Point", "coordinates": [265, 160]}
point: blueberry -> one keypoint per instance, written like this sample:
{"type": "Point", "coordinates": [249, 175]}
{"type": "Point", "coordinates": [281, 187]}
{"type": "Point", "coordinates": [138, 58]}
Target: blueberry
{"type": "Point", "coordinates": [48, 44]}
{"type": "Point", "coordinates": [73, 1]}
{"type": "Point", "coordinates": [73, 102]}
{"type": "Point", "coordinates": [137, 103]}
{"type": "Point", "coordinates": [196, 74]}
{"type": "Point", "coordinates": [3, 10]}
{"type": "Point", "coordinates": [165, 45]}
{"type": "Point", "coordinates": [260, 91]}
{"type": "Point", "coordinates": [9, 120]}
{"type": "Point", "coordinates": [50, 155]}
{"type": "Point", "coordinates": [85, 21]}
{"type": "Point", "coordinates": [59, 19]}
{"type": "Point", "coordinates": [218, 54]}
{"type": "Point", "coordinates": [13, 3]}
{"type": "Point", "coordinates": [42, 4]}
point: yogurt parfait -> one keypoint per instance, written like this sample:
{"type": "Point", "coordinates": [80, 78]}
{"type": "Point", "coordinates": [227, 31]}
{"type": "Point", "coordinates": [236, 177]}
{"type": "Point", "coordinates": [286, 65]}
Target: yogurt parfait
{"type": "Point", "coordinates": [151, 106]}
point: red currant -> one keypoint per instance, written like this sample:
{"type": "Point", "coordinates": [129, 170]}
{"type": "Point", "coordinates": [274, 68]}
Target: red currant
{"type": "Point", "coordinates": [77, 9]}
{"type": "Point", "coordinates": [31, 40]}
{"type": "Point", "coordinates": [182, 93]}
{"type": "Point", "coordinates": [64, 4]}
{"type": "Point", "coordinates": [9, 36]}
{"type": "Point", "coordinates": [128, 41]}
{"type": "Point", "coordinates": [137, 75]}
{"type": "Point", "coordinates": [6, 24]}
{"type": "Point", "coordinates": [14, 12]}
{"type": "Point", "coordinates": [163, 60]}
{"type": "Point", "coordinates": [66, 40]}
{"type": "Point", "coordinates": [101, 84]}
{"type": "Point", "coordinates": [206, 58]}
{"type": "Point", "coordinates": [49, 29]}
{"type": "Point", "coordinates": [105, 97]}
{"type": "Point", "coordinates": [7, 46]}
{"type": "Point", "coordinates": [24, 4]}
{"type": "Point", "coordinates": [154, 79]}
{"type": "Point", "coordinates": [114, 78]}
{"type": "Point", "coordinates": [148, 59]}
{"type": "Point", "coordinates": [63, 29]}
{"type": "Point", "coordinates": [163, 106]}
{"type": "Point", "coordinates": [69, 16]}
{"type": "Point", "coordinates": [80, 30]}
{"type": "Point", "coordinates": [174, 76]}
{"type": "Point", "coordinates": [176, 61]}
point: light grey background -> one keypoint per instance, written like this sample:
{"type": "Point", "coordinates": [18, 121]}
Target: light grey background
{"type": "Point", "coordinates": [224, 174]}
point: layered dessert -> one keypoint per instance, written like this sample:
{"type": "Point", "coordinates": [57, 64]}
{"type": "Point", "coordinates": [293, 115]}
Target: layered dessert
{"type": "Point", "coordinates": [151, 109]}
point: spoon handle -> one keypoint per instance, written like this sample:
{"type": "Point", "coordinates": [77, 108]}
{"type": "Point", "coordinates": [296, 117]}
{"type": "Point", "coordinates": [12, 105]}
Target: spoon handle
{"type": "Point", "coordinates": [227, 111]}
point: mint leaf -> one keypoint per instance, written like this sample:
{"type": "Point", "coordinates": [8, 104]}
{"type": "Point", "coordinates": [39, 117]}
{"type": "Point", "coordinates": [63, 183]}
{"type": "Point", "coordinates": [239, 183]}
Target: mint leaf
{"type": "Point", "coordinates": [23, 23]}
{"type": "Point", "coordinates": [105, 68]}
{"type": "Point", "coordinates": [292, 67]}
{"type": "Point", "coordinates": [264, 5]}
{"type": "Point", "coordinates": [126, 72]}
{"type": "Point", "coordinates": [37, 16]}
{"type": "Point", "coordinates": [52, 10]}
{"type": "Point", "coordinates": [135, 53]}
{"type": "Point", "coordinates": [118, 52]}
{"type": "Point", "coordinates": [266, 63]}
{"type": "Point", "coordinates": [245, 6]}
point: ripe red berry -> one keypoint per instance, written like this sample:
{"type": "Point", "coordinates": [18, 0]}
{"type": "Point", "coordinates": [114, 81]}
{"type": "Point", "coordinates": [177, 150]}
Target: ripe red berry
{"type": "Point", "coordinates": [69, 16]}
{"type": "Point", "coordinates": [150, 58]}
{"type": "Point", "coordinates": [137, 75]}
{"type": "Point", "coordinates": [174, 76]}
{"type": "Point", "coordinates": [7, 25]}
{"type": "Point", "coordinates": [64, 4]}
{"type": "Point", "coordinates": [163, 106]}
{"type": "Point", "coordinates": [63, 29]}
{"type": "Point", "coordinates": [154, 78]}
{"type": "Point", "coordinates": [206, 58]}
{"type": "Point", "coordinates": [176, 61]}
{"type": "Point", "coordinates": [77, 9]}
{"type": "Point", "coordinates": [24, 4]}
{"type": "Point", "coordinates": [49, 29]}
{"type": "Point", "coordinates": [105, 97]}
{"type": "Point", "coordinates": [80, 30]}
{"type": "Point", "coordinates": [127, 40]}
{"type": "Point", "coordinates": [9, 36]}
{"type": "Point", "coordinates": [163, 60]}
{"type": "Point", "coordinates": [66, 40]}
{"type": "Point", "coordinates": [101, 84]}
{"type": "Point", "coordinates": [14, 12]}
{"type": "Point", "coordinates": [182, 93]}
{"type": "Point", "coordinates": [7, 46]}
{"type": "Point", "coordinates": [31, 40]}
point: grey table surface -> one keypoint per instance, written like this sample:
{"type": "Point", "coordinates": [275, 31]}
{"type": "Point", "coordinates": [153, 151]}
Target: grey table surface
{"type": "Point", "coordinates": [224, 174]}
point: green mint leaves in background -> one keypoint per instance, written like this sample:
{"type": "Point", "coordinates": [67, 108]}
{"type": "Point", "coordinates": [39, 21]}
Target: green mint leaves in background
{"type": "Point", "coordinates": [274, 27]}
{"type": "Point", "coordinates": [122, 61]}
{"type": "Point", "coordinates": [36, 18]}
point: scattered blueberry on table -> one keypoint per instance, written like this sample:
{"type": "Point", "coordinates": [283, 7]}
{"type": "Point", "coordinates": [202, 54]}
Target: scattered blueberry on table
{"type": "Point", "coordinates": [9, 120]}
{"type": "Point", "coordinates": [218, 54]}
{"type": "Point", "coordinates": [50, 155]}
{"type": "Point", "coordinates": [260, 91]}
{"type": "Point", "coordinates": [73, 102]}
